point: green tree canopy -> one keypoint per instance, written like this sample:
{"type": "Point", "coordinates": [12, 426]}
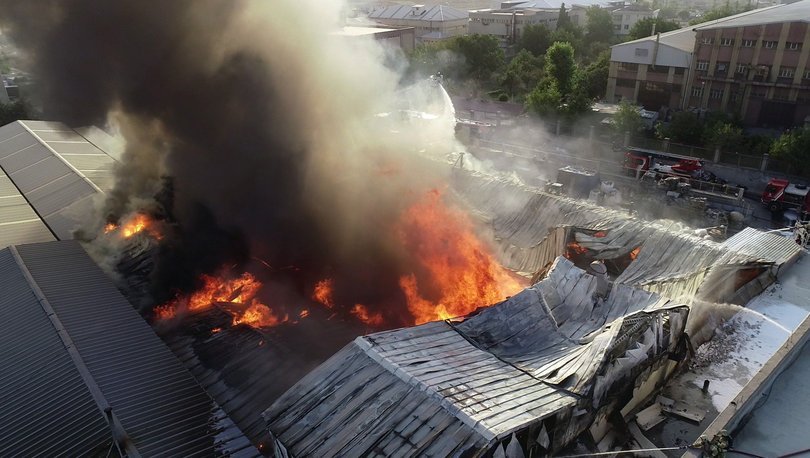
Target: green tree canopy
{"type": "Point", "coordinates": [535, 38]}
{"type": "Point", "coordinates": [721, 12]}
{"type": "Point", "coordinates": [685, 127]}
{"type": "Point", "coordinates": [627, 118]}
{"type": "Point", "coordinates": [482, 55]}
{"type": "Point", "coordinates": [522, 74]}
{"type": "Point", "coordinates": [560, 66]}
{"type": "Point", "coordinates": [596, 76]}
{"type": "Point", "coordinates": [643, 28]}
{"type": "Point", "coordinates": [563, 20]}
{"type": "Point", "coordinates": [14, 111]}
{"type": "Point", "coordinates": [725, 135]}
{"type": "Point", "coordinates": [793, 147]}
{"type": "Point", "coordinates": [600, 25]}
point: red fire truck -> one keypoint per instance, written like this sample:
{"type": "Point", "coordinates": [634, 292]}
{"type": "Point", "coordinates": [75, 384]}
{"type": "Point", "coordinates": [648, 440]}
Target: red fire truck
{"type": "Point", "coordinates": [637, 161]}
{"type": "Point", "coordinates": [781, 195]}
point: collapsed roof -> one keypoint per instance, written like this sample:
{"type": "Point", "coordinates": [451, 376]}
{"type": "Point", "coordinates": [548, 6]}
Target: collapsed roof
{"type": "Point", "coordinates": [536, 366]}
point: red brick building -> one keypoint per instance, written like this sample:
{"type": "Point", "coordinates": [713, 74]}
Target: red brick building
{"type": "Point", "coordinates": [756, 66]}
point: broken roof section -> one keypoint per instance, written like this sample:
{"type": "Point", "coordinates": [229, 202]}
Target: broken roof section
{"type": "Point", "coordinates": [537, 365]}
{"type": "Point", "coordinates": [56, 171]}
{"type": "Point", "coordinates": [71, 347]}
{"type": "Point", "coordinates": [532, 228]}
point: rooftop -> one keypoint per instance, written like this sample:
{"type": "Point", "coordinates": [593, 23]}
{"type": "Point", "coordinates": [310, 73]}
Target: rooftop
{"type": "Point", "coordinates": [419, 13]}
{"type": "Point", "coordinates": [792, 12]}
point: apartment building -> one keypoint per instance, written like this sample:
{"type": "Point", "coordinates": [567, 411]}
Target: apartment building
{"type": "Point", "coordinates": [755, 65]}
{"type": "Point", "coordinates": [625, 16]}
{"type": "Point", "coordinates": [507, 24]}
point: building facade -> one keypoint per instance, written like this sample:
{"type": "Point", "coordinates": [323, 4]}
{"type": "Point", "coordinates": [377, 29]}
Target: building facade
{"type": "Point", "coordinates": [653, 71]}
{"type": "Point", "coordinates": [507, 25]}
{"type": "Point", "coordinates": [430, 23]}
{"type": "Point", "coordinates": [755, 66]}
{"type": "Point", "coordinates": [626, 16]}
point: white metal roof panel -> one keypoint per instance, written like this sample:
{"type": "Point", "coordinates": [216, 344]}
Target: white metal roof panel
{"type": "Point", "coordinates": [793, 12]}
{"type": "Point", "coordinates": [762, 245]}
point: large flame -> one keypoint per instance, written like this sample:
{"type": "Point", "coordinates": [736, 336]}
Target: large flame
{"type": "Point", "coordinates": [459, 273]}
{"type": "Point", "coordinates": [361, 312]}
{"type": "Point", "coordinates": [240, 290]}
{"type": "Point", "coordinates": [135, 224]}
{"type": "Point", "coordinates": [323, 292]}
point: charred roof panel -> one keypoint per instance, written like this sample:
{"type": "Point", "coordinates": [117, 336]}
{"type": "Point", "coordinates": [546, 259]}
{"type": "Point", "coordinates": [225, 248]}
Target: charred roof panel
{"type": "Point", "coordinates": [47, 408]}
{"type": "Point", "coordinates": [160, 406]}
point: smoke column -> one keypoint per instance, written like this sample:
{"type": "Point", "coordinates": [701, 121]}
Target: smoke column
{"type": "Point", "coordinates": [263, 116]}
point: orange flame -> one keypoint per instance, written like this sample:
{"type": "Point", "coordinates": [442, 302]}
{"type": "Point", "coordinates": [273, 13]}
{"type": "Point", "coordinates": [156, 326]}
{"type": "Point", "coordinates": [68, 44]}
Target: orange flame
{"type": "Point", "coordinates": [576, 248]}
{"type": "Point", "coordinates": [109, 227]}
{"type": "Point", "coordinates": [459, 267]}
{"type": "Point", "coordinates": [635, 252]}
{"type": "Point", "coordinates": [362, 314]}
{"type": "Point", "coordinates": [135, 224]}
{"type": "Point", "coordinates": [241, 290]}
{"type": "Point", "coordinates": [323, 292]}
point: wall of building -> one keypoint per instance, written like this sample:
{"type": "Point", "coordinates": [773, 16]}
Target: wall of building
{"type": "Point", "coordinates": [759, 72]}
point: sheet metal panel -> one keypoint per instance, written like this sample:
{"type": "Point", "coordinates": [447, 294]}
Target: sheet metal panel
{"type": "Point", "coordinates": [760, 245]}
{"type": "Point", "coordinates": [60, 194]}
{"type": "Point", "coordinates": [40, 174]}
{"type": "Point", "coordinates": [47, 410]}
{"type": "Point", "coordinates": [19, 223]}
{"type": "Point", "coordinates": [158, 402]}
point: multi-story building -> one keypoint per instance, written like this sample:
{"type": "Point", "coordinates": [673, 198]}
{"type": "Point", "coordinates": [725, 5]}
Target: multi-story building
{"type": "Point", "coordinates": [431, 23]}
{"type": "Point", "coordinates": [507, 24]}
{"type": "Point", "coordinates": [625, 16]}
{"type": "Point", "coordinates": [755, 65]}
{"type": "Point", "coordinates": [651, 71]}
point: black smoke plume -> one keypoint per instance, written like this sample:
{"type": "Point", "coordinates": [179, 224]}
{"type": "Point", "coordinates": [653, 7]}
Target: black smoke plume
{"type": "Point", "coordinates": [262, 117]}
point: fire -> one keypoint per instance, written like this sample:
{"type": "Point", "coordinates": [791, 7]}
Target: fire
{"type": "Point", "coordinates": [362, 314]}
{"type": "Point", "coordinates": [575, 248]}
{"type": "Point", "coordinates": [461, 271]}
{"type": "Point", "coordinates": [323, 292]}
{"type": "Point", "coordinates": [635, 252]}
{"type": "Point", "coordinates": [135, 224]}
{"type": "Point", "coordinates": [240, 290]}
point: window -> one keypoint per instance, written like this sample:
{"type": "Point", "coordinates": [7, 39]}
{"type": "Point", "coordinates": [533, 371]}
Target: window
{"type": "Point", "coordinates": [742, 69]}
{"type": "Point", "coordinates": [722, 67]}
{"type": "Point", "coordinates": [706, 40]}
{"type": "Point", "coordinates": [641, 52]}
{"type": "Point", "coordinates": [657, 69]}
{"type": "Point", "coordinates": [726, 42]}
{"type": "Point", "coordinates": [679, 71]}
{"type": "Point", "coordinates": [716, 94]}
{"type": "Point", "coordinates": [624, 82]}
{"type": "Point", "coordinates": [697, 92]}
{"type": "Point", "coordinates": [627, 27]}
{"type": "Point", "coordinates": [628, 66]}
{"type": "Point", "coordinates": [734, 97]}
{"type": "Point", "coordinates": [769, 44]}
{"type": "Point", "coordinates": [617, 27]}
{"type": "Point", "coordinates": [793, 46]}
{"type": "Point", "coordinates": [702, 65]}
{"type": "Point", "coordinates": [653, 87]}
{"type": "Point", "coordinates": [749, 43]}
{"type": "Point", "coordinates": [787, 72]}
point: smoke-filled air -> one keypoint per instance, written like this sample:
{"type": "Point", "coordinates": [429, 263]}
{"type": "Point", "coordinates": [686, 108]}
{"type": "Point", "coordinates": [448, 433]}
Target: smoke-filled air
{"type": "Point", "coordinates": [278, 164]}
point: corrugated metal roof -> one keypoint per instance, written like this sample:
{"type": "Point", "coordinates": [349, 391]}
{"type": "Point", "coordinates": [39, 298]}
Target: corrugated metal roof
{"type": "Point", "coordinates": [766, 246]}
{"type": "Point", "coordinates": [793, 12]}
{"type": "Point", "coordinates": [411, 13]}
{"type": "Point", "coordinates": [158, 403]}
{"type": "Point", "coordinates": [47, 410]}
{"type": "Point", "coordinates": [19, 223]}
{"type": "Point", "coordinates": [449, 388]}
{"type": "Point", "coordinates": [56, 169]}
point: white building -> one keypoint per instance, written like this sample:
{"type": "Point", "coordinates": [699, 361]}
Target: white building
{"type": "Point", "coordinates": [507, 24]}
{"type": "Point", "coordinates": [431, 23]}
{"type": "Point", "coordinates": [625, 16]}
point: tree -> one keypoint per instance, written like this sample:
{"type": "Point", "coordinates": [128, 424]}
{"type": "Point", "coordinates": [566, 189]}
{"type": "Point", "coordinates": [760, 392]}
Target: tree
{"type": "Point", "coordinates": [596, 76]}
{"type": "Point", "coordinates": [725, 135]}
{"type": "Point", "coordinates": [560, 66]}
{"type": "Point", "coordinates": [721, 12]}
{"type": "Point", "coordinates": [600, 25]}
{"type": "Point", "coordinates": [793, 147]}
{"type": "Point", "coordinates": [535, 38]}
{"type": "Point", "coordinates": [685, 127]}
{"type": "Point", "coordinates": [522, 74]}
{"type": "Point", "coordinates": [14, 111]}
{"type": "Point", "coordinates": [643, 28]}
{"type": "Point", "coordinates": [545, 99]}
{"type": "Point", "coordinates": [627, 118]}
{"type": "Point", "coordinates": [482, 55]}
{"type": "Point", "coordinates": [563, 20]}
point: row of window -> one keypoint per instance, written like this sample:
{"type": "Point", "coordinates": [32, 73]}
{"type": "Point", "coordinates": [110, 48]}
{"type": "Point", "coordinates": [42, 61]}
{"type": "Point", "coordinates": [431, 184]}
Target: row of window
{"type": "Point", "coordinates": [628, 67]}
{"type": "Point", "coordinates": [767, 44]}
{"type": "Point", "coordinates": [736, 96]}
{"type": "Point", "coordinates": [743, 69]}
